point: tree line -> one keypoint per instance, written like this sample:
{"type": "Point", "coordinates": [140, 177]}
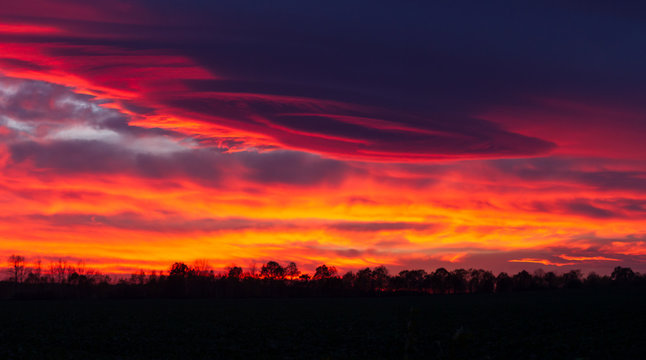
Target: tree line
{"type": "Point", "coordinates": [64, 279]}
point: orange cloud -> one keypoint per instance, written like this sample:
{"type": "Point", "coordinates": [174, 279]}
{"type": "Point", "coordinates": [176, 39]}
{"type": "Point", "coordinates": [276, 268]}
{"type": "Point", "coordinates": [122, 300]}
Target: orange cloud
{"type": "Point", "coordinates": [635, 248]}
{"type": "Point", "coordinates": [587, 258]}
{"type": "Point", "coordinates": [453, 258]}
{"type": "Point", "coordinates": [540, 261]}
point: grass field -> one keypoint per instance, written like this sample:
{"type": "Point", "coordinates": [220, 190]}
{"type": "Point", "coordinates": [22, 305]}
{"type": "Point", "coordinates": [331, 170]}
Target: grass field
{"type": "Point", "coordinates": [560, 325]}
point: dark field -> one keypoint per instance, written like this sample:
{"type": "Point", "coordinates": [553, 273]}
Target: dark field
{"type": "Point", "coordinates": [544, 325]}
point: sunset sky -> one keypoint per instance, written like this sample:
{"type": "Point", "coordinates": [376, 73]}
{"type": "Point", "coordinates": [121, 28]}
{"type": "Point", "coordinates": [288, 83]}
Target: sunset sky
{"type": "Point", "coordinates": [412, 134]}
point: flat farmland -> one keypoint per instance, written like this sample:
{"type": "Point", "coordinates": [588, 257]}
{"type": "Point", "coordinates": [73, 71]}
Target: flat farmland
{"type": "Point", "coordinates": [533, 325]}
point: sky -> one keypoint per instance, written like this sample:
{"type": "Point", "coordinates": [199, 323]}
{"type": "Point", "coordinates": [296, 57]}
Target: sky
{"type": "Point", "coordinates": [411, 134]}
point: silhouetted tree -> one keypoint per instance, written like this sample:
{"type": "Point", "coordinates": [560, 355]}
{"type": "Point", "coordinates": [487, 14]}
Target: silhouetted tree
{"type": "Point", "coordinates": [291, 271]}
{"type": "Point", "coordinates": [622, 274]}
{"type": "Point", "coordinates": [348, 280]}
{"type": "Point", "coordinates": [235, 272]}
{"type": "Point", "coordinates": [379, 278]}
{"type": "Point", "coordinates": [34, 274]}
{"type": "Point", "coordinates": [410, 279]}
{"type": "Point", "coordinates": [153, 278]}
{"type": "Point", "coordinates": [253, 270]}
{"type": "Point", "coordinates": [538, 279]}
{"type": "Point", "coordinates": [58, 270]}
{"type": "Point", "coordinates": [177, 284]}
{"type": "Point", "coordinates": [199, 281]}
{"type": "Point", "coordinates": [74, 278]}
{"type": "Point", "coordinates": [481, 281]}
{"type": "Point", "coordinates": [504, 282]}
{"type": "Point", "coordinates": [363, 280]}
{"type": "Point", "coordinates": [439, 281]}
{"type": "Point", "coordinates": [552, 280]}
{"type": "Point", "coordinates": [201, 267]}
{"type": "Point", "coordinates": [32, 278]}
{"type": "Point", "coordinates": [572, 279]}
{"type": "Point", "coordinates": [17, 267]}
{"type": "Point", "coordinates": [593, 280]}
{"type": "Point", "coordinates": [324, 272]}
{"type": "Point", "coordinates": [272, 270]}
{"type": "Point", "coordinates": [522, 281]}
{"type": "Point", "coordinates": [179, 270]}
{"type": "Point", "coordinates": [138, 278]}
{"type": "Point", "coordinates": [458, 280]}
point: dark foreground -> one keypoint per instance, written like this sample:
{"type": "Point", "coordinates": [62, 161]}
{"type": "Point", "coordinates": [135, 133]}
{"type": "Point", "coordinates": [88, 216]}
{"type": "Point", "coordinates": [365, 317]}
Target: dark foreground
{"type": "Point", "coordinates": [545, 325]}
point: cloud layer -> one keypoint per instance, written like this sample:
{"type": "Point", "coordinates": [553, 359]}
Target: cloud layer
{"type": "Point", "coordinates": [411, 135]}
